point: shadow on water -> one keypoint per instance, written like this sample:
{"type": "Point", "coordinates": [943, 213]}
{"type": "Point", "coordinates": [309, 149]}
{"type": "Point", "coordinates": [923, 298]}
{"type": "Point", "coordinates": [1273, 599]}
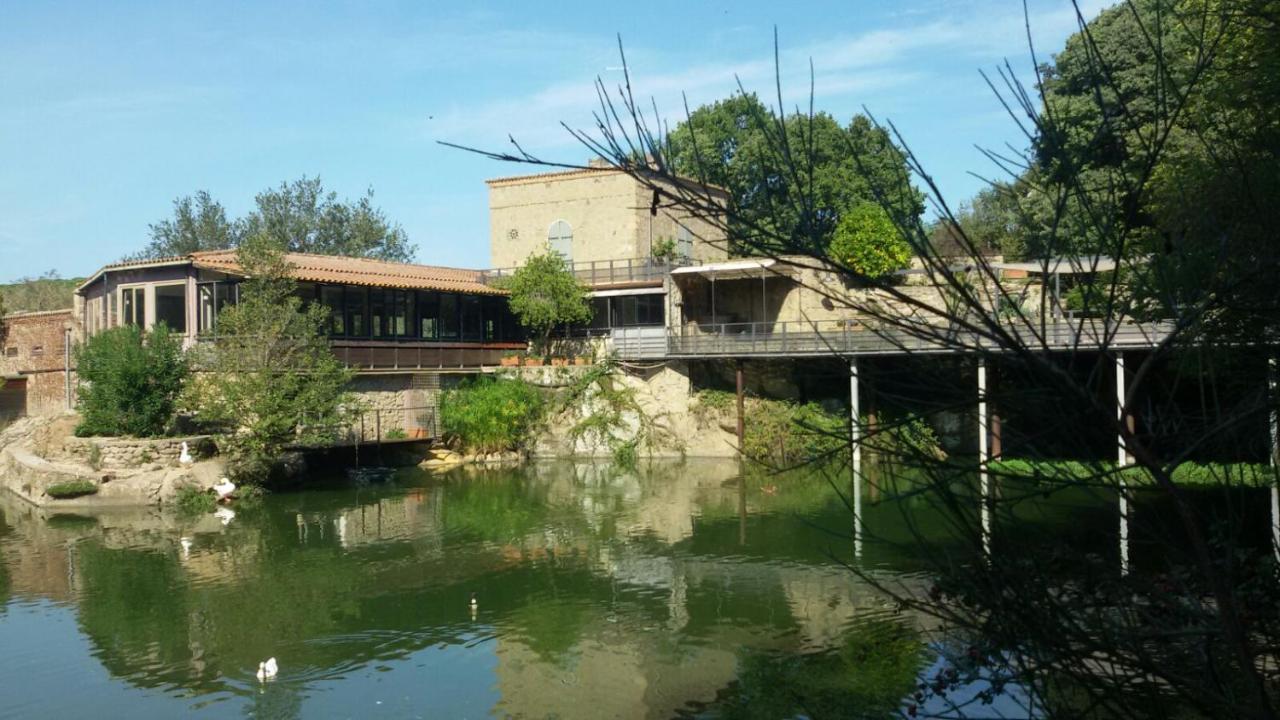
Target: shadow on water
{"type": "Point", "coordinates": [680, 589]}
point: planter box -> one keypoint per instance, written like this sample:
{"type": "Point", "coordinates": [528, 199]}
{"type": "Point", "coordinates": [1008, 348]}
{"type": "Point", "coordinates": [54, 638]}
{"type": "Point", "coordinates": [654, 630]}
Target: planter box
{"type": "Point", "coordinates": [559, 362]}
{"type": "Point", "coordinates": [580, 361]}
{"type": "Point", "coordinates": [513, 361]}
{"type": "Point", "coordinates": [533, 362]}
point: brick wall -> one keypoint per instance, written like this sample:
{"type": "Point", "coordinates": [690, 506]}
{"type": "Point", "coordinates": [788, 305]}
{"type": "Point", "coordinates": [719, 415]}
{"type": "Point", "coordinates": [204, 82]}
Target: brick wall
{"type": "Point", "coordinates": [33, 345]}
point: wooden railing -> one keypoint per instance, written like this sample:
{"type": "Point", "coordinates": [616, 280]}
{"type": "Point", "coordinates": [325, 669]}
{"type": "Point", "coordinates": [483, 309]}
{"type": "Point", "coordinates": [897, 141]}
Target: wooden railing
{"type": "Point", "coordinates": [598, 273]}
{"type": "Point", "coordinates": [370, 355]}
{"type": "Point", "coordinates": [843, 337]}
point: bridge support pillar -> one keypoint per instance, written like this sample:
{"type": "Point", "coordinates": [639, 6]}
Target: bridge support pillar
{"type": "Point", "coordinates": [984, 456]}
{"type": "Point", "coordinates": [741, 407]}
{"type": "Point", "coordinates": [1122, 459]}
{"type": "Point", "coordinates": [855, 460]}
{"type": "Point", "coordinates": [1273, 393]}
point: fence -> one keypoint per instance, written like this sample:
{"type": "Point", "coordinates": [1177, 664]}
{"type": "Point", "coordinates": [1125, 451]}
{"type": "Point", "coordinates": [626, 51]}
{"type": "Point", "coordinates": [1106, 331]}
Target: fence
{"type": "Point", "coordinates": [377, 426]}
{"type": "Point", "coordinates": [847, 337]}
{"type": "Point", "coordinates": [609, 272]}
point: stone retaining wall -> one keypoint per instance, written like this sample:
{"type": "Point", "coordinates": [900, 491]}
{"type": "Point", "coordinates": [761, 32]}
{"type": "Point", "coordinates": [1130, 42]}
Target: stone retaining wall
{"type": "Point", "coordinates": [126, 453]}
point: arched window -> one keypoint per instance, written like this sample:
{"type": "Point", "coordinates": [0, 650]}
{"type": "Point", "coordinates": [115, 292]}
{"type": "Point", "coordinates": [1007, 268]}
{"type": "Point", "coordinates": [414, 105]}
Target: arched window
{"type": "Point", "coordinates": [684, 242]}
{"type": "Point", "coordinates": [560, 237]}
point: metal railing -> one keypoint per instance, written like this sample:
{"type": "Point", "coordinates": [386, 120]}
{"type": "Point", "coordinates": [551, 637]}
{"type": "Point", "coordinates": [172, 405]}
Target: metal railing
{"type": "Point", "coordinates": [850, 337]}
{"type": "Point", "coordinates": [377, 426]}
{"type": "Point", "coordinates": [609, 272]}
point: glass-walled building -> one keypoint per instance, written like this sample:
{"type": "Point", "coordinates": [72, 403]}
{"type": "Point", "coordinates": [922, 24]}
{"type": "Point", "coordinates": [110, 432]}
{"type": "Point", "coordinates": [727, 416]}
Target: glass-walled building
{"type": "Point", "coordinates": [371, 303]}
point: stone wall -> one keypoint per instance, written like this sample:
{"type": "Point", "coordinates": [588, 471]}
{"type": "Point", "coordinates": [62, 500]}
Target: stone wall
{"type": "Point", "coordinates": [115, 453]}
{"type": "Point", "coordinates": [400, 401]}
{"type": "Point", "coordinates": [607, 210]}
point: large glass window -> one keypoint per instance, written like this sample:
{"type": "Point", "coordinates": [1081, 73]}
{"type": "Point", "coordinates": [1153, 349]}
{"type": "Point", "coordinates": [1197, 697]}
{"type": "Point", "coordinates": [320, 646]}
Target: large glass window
{"type": "Point", "coordinates": [331, 297]}
{"type": "Point", "coordinates": [428, 315]}
{"type": "Point", "coordinates": [632, 310]}
{"type": "Point", "coordinates": [401, 314]}
{"type": "Point", "coordinates": [133, 306]}
{"type": "Point", "coordinates": [379, 318]}
{"type": "Point", "coordinates": [357, 303]}
{"type": "Point", "coordinates": [211, 298]}
{"type": "Point", "coordinates": [472, 318]}
{"type": "Point", "coordinates": [171, 306]}
{"type": "Point", "coordinates": [448, 316]}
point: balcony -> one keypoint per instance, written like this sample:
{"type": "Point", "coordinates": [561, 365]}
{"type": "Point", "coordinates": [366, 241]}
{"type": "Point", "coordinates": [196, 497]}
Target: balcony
{"type": "Point", "coordinates": [609, 273]}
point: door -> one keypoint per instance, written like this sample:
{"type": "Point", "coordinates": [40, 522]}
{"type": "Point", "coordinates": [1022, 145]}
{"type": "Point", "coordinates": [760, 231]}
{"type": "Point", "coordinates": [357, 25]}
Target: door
{"type": "Point", "coordinates": [13, 398]}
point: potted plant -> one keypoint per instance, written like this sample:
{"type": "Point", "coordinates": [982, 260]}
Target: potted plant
{"type": "Point", "coordinates": [581, 360]}
{"type": "Point", "coordinates": [532, 361]}
{"type": "Point", "coordinates": [559, 361]}
{"type": "Point", "coordinates": [511, 359]}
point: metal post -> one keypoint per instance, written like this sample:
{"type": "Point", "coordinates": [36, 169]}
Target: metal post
{"type": "Point", "coordinates": [66, 364]}
{"type": "Point", "coordinates": [741, 408]}
{"type": "Point", "coordinates": [713, 300]}
{"type": "Point", "coordinates": [984, 457]}
{"type": "Point", "coordinates": [1273, 376]}
{"type": "Point", "coordinates": [1122, 459]}
{"type": "Point", "coordinates": [855, 444]}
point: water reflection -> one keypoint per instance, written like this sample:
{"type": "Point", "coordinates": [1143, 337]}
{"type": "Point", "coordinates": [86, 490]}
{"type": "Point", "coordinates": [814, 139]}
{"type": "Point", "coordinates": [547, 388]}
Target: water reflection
{"type": "Point", "coordinates": [686, 589]}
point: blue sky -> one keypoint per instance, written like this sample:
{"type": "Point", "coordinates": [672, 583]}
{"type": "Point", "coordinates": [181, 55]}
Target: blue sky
{"type": "Point", "coordinates": [108, 111]}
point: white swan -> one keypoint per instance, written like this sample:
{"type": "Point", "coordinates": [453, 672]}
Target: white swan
{"type": "Point", "coordinates": [267, 669]}
{"type": "Point", "coordinates": [224, 488]}
{"type": "Point", "coordinates": [184, 457]}
{"type": "Point", "coordinates": [225, 514]}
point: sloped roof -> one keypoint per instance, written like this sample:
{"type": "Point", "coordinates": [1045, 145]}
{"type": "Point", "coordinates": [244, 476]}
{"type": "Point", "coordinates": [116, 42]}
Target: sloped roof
{"type": "Point", "coordinates": [360, 271]}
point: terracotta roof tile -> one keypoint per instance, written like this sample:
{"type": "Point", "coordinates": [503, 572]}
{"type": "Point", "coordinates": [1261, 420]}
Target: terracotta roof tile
{"type": "Point", "coordinates": [361, 271]}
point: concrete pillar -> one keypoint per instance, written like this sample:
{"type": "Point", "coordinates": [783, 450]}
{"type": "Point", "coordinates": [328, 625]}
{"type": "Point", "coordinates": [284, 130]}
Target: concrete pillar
{"type": "Point", "coordinates": [1122, 459]}
{"type": "Point", "coordinates": [1273, 394]}
{"type": "Point", "coordinates": [855, 445]}
{"type": "Point", "coordinates": [741, 408]}
{"type": "Point", "coordinates": [984, 457]}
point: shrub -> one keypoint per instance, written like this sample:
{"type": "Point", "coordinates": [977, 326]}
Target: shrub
{"type": "Point", "coordinates": [193, 501]}
{"type": "Point", "coordinates": [71, 489]}
{"type": "Point", "coordinates": [129, 381]}
{"type": "Point", "coordinates": [491, 414]}
{"type": "Point", "coordinates": [776, 432]}
{"type": "Point", "coordinates": [396, 434]}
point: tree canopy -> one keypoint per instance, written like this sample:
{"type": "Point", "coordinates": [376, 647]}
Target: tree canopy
{"type": "Point", "coordinates": [545, 295]}
{"type": "Point", "coordinates": [299, 216]}
{"type": "Point", "coordinates": [270, 378]}
{"type": "Point", "coordinates": [734, 143]}
{"type": "Point", "coordinates": [129, 381]}
{"type": "Point", "coordinates": [868, 243]}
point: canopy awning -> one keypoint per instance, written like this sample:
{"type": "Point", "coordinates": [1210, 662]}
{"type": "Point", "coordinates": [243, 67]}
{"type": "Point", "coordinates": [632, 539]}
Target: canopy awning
{"type": "Point", "coordinates": [1062, 265]}
{"type": "Point", "coordinates": [656, 290]}
{"type": "Point", "coordinates": [736, 269]}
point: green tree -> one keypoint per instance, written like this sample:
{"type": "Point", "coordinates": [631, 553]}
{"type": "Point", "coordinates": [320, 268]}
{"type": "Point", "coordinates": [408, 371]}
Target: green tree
{"type": "Point", "coordinates": [198, 223]}
{"type": "Point", "coordinates": [271, 379]}
{"type": "Point", "coordinates": [545, 295]}
{"type": "Point", "coordinates": [869, 243]}
{"type": "Point", "coordinates": [130, 381]}
{"type": "Point", "coordinates": [301, 217]}
{"type": "Point", "coordinates": [733, 143]}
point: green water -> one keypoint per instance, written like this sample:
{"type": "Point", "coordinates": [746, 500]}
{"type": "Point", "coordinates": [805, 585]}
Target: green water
{"type": "Point", "coordinates": [675, 591]}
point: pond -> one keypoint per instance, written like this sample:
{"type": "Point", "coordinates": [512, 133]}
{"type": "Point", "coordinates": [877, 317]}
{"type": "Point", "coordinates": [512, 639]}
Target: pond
{"type": "Point", "coordinates": [679, 590]}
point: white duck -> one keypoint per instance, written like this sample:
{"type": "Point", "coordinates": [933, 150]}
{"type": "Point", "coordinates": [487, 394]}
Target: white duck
{"type": "Point", "coordinates": [184, 458]}
{"type": "Point", "coordinates": [223, 488]}
{"type": "Point", "coordinates": [267, 670]}
{"type": "Point", "coordinates": [225, 514]}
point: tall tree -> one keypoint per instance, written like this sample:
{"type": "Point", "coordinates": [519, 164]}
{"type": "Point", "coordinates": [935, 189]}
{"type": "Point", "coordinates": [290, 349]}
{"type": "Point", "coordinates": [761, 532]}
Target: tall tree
{"type": "Point", "coordinates": [199, 223]}
{"type": "Point", "coordinates": [735, 143]}
{"type": "Point", "coordinates": [301, 217]}
{"type": "Point", "coordinates": [270, 378]}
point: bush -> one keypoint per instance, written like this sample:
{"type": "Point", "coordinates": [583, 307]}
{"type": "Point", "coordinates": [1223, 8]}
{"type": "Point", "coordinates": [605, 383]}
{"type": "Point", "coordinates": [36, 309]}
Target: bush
{"type": "Point", "coordinates": [129, 381]}
{"type": "Point", "coordinates": [1187, 473]}
{"type": "Point", "coordinates": [491, 414]}
{"type": "Point", "coordinates": [777, 432]}
{"type": "Point", "coordinates": [74, 488]}
{"type": "Point", "coordinates": [867, 242]}
{"type": "Point", "coordinates": [193, 501]}
{"type": "Point", "coordinates": [397, 434]}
